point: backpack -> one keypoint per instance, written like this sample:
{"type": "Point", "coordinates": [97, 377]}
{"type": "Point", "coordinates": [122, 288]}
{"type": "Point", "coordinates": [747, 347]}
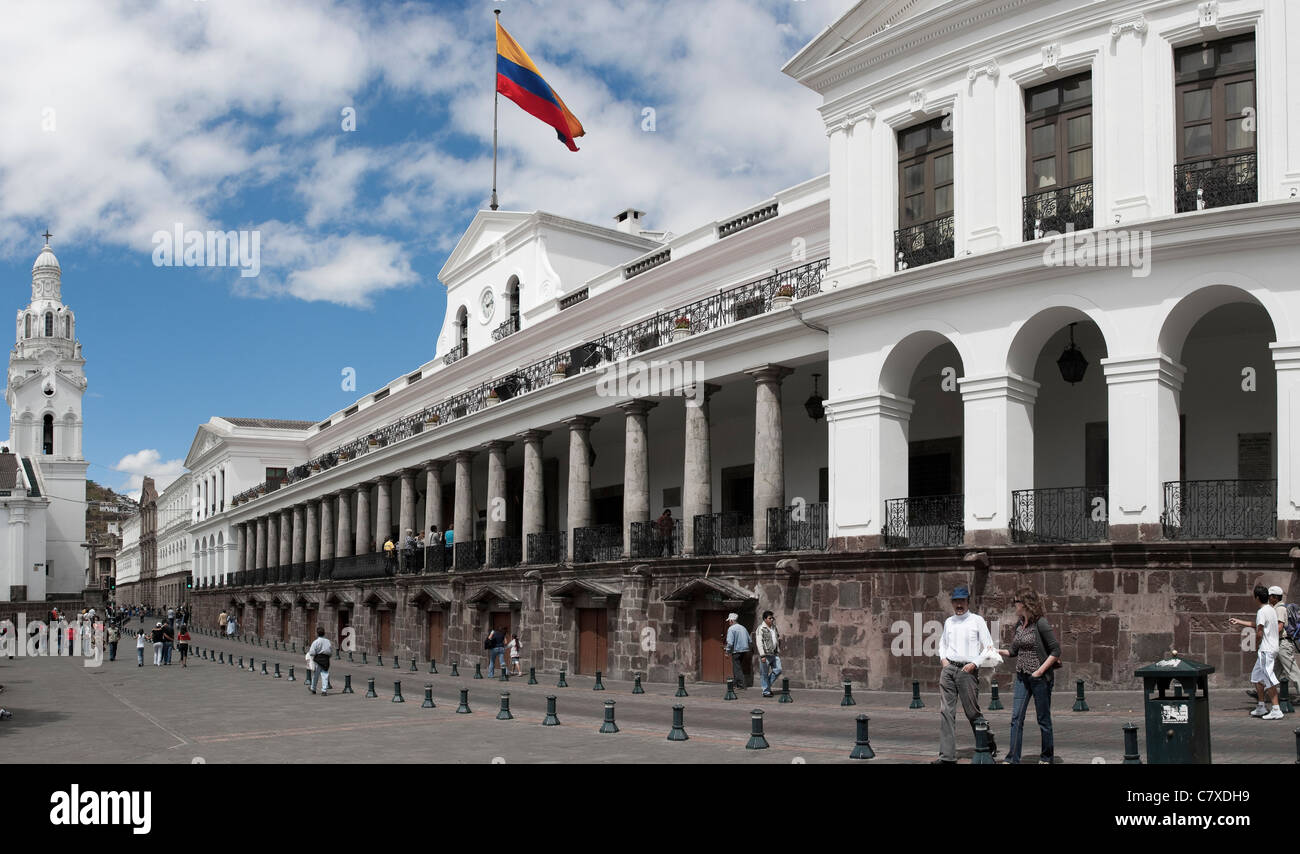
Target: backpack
{"type": "Point", "coordinates": [1292, 627]}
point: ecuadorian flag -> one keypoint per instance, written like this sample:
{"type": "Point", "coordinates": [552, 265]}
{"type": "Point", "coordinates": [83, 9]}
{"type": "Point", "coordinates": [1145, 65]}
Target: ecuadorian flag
{"type": "Point", "coordinates": [519, 80]}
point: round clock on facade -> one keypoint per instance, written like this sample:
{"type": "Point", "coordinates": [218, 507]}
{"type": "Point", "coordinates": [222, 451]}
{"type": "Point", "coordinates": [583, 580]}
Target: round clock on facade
{"type": "Point", "coordinates": [487, 305]}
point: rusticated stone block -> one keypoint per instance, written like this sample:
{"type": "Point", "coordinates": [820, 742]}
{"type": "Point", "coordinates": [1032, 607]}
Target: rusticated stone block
{"type": "Point", "coordinates": [1108, 631]}
{"type": "Point", "coordinates": [1103, 581]}
{"type": "Point", "coordinates": [1149, 647]}
{"type": "Point", "coordinates": [1157, 581]}
{"type": "Point", "coordinates": [850, 594]}
{"type": "Point", "coordinates": [1131, 581]}
{"type": "Point", "coordinates": [1189, 604]}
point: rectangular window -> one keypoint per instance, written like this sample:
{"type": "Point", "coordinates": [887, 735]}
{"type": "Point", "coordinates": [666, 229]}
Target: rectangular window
{"type": "Point", "coordinates": [925, 194]}
{"type": "Point", "coordinates": [1058, 157]}
{"type": "Point", "coordinates": [275, 478]}
{"type": "Point", "coordinates": [1215, 110]}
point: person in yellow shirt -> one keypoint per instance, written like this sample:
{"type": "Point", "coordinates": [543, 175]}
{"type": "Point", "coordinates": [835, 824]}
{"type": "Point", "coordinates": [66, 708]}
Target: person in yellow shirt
{"type": "Point", "coordinates": [390, 556]}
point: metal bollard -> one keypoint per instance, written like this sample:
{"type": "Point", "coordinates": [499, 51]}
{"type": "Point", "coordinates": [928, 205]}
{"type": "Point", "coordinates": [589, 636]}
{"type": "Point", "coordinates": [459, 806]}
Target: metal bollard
{"type": "Point", "coordinates": [222, 657]}
{"type": "Point", "coordinates": [561, 683]}
{"type": "Point", "coordinates": [757, 741]}
{"type": "Point", "coordinates": [433, 666]}
{"type": "Point", "coordinates": [428, 698]}
{"type": "Point", "coordinates": [550, 719]}
{"type": "Point", "coordinates": [241, 662]}
{"type": "Point", "coordinates": [478, 670]}
{"type": "Point", "coordinates": [291, 676]}
{"type": "Point", "coordinates": [232, 660]}
{"type": "Point", "coordinates": [982, 754]}
{"type": "Point", "coordinates": [264, 670]}
{"type": "Point", "coordinates": [609, 725]}
{"type": "Point", "coordinates": [1131, 745]}
{"type": "Point", "coordinates": [397, 693]}
{"type": "Point", "coordinates": [351, 660]}
{"type": "Point", "coordinates": [916, 696]}
{"type": "Point", "coordinates": [463, 708]}
{"type": "Point", "coordinates": [347, 684]}
{"type": "Point", "coordinates": [678, 732]}
{"type": "Point", "coordinates": [862, 744]}
{"type": "Point", "coordinates": [1284, 698]}
{"type": "Point", "coordinates": [505, 675]}
{"type": "Point", "coordinates": [995, 704]}
{"type": "Point", "coordinates": [532, 676]}
{"type": "Point", "coordinates": [681, 686]}
{"type": "Point", "coordinates": [380, 662]}
{"type": "Point", "coordinates": [363, 657]}
{"type": "Point", "coordinates": [277, 671]}
{"type": "Point", "coordinates": [1080, 705]}
{"type": "Point", "coordinates": [504, 714]}
{"type": "Point", "coordinates": [636, 685]}
{"type": "Point", "coordinates": [397, 664]}
{"type": "Point", "coordinates": [454, 671]}
{"type": "Point", "coordinates": [785, 692]}
{"type": "Point", "coordinates": [370, 689]}
{"type": "Point", "coordinates": [848, 700]}
{"type": "Point", "coordinates": [599, 686]}
{"type": "Point", "coordinates": [731, 689]}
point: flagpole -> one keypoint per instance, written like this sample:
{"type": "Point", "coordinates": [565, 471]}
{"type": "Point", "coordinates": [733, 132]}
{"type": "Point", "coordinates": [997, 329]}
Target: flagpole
{"type": "Point", "coordinates": [496, 101]}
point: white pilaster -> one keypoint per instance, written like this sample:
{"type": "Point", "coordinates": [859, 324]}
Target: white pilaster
{"type": "Point", "coordinates": [1143, 402]}
{"type": "Point", "coordinates": [997, 453]}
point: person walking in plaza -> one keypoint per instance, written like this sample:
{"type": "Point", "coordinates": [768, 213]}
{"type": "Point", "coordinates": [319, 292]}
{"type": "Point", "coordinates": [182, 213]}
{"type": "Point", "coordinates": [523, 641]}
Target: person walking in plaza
{"type": "Point", "coordinates": [319, 653]}
{"type": "Point", "coordinates": [495, 644]}
{"type": "Point", "coordinates": [1288, 617]}
{"type": "Point", "coordinates": [221, 620]}
{"type": "Point", "coordinates": [168, 642]}
{"type": "Point", "coordinates": [516, 648]}
{"type": "Point", "coordinates": [1036, 652]}
{"type": "Point", "coordinates": [767, 642]}
{"type": "Point", "coordinates": [183, 644]}
{"type": "Point", "coordinates": [737, 647]}
{"type": "Point", "coordinates": [964, 641]}
{"type": "Point", "coordinates": [159, 632]}
{"type": "Point", "coordinates": [230, 627]}
{"type": "Point", "coordinates": [113, 636]}
{"type": "Point", "coordinates": [139, 647]}
{"type": "Point", "coordinates": [1266, 646]}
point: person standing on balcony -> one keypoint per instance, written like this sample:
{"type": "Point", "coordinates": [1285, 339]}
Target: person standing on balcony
{"type": "Point", "coordinates": [664, 524]}
{"type": "Point", "coordinates": [409, 548]}
{"type": "Point", "coordinates": [737, 646]}
{"type": "Point", "coordinates": [768, 642]}
{"type": "Point", "coordinates": [390, 556]}
{"type": "Point", "coordinates": [1266, 645]}
{"type": "Point", "coordinates": [964, 640]}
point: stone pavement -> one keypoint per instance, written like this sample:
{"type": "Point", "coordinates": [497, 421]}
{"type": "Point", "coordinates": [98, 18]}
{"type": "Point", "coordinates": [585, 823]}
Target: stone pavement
{"type": "Point", "coordinates": [218, 713]}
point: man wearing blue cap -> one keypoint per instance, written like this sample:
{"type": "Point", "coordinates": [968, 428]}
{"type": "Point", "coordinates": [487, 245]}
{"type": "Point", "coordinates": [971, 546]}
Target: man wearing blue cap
{"type": "Point", "coordinates": [964, 641]}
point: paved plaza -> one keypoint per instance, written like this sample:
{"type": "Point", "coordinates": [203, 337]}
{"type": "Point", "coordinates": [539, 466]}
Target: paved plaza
{"type": "Point", "coordinates": [218, 713]}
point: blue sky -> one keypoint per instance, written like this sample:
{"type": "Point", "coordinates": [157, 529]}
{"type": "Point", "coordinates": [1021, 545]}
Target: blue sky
{"type": "Point", "coordinates": [122, 117]}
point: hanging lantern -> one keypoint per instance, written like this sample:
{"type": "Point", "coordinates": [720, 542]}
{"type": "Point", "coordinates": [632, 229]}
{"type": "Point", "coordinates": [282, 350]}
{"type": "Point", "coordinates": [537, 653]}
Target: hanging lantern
{"type": "Point", "coordinates": [813, 405]}
{"type": "Point", "coordinates": [1072, 363]}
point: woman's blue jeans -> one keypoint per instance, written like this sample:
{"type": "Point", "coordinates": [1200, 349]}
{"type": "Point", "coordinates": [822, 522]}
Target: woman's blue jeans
{"type": "Point", "coordinates": [1041, 690]}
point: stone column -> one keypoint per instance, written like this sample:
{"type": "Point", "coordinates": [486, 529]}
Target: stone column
{"type": "Point", "coordinates": [636, 467]}
{"type": "Point", "coordinates": [997, 452]}
{"type": "Point", "coordinates": [1286, 359]}
{"type": "Point", "coordinates": [250, 545]}
{"type": "Point", "coordinates": [406, 506]}
{"type": "Point", "coordinates": [384, 512]}
{"type": "Point", "coordinates": [243, 546]}
{"type": "Point", "coordinates": [867, 462]}
{"type": "Point", "coordinates": [579, 498]}
{"type": "Point", "coordinates": [286, 536]}
{"type": "Point", "coordinates": [364, 532]}
{"type": "Point", "coordinates": [769, 447]}
{"type": "Point", "coordinates": [1142, 400]}
{"type": "Point", "coordinates": [260, 563]}
{"type": "Point", "coordinates": [463, 523]}
{"type": "Point", "coordinates": [432, 495]}
{"type": "Point", "coordinates": [343, 542]}
{"type": "Point", "coordinates": [311, 550]}
{"type": "Point", "coordinates": [299, 535]}
{"type": "Point", "coordinates": [697, 479]}
{"type": "Point", "coordinates": [496, 503]}
{"type": "Point", "coordinates": [273, 540]}
{"type": "Point", "coordinates": [534, 521]}
{"type": "Point", "coordinates": [329, 537]}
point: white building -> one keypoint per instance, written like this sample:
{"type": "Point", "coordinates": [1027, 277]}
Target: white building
{"type": "Point", "coordinates": [175, 514]}
{"type": "Point", "coordinates": [43, 494]}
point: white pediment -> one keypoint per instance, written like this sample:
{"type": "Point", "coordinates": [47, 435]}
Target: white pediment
{"type": "Point", "coordinates": [865, 20]}
{"type": "Point", "coordinates": [484, 230]}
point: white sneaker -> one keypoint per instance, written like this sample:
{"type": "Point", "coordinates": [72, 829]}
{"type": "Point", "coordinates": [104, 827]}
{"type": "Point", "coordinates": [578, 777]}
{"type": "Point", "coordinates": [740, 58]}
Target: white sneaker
{"type": "Point", "coordinates": [1275, 715]}
{"type": "Point", "coordinates": [1259, 712]}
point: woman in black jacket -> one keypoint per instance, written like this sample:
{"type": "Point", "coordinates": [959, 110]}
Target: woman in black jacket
{"type": "Point", "coordinates": [1036, 652]}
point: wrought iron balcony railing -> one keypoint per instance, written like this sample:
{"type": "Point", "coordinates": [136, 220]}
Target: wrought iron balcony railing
{"type": "Point", "coordinates": [436, 558]}
{"type": "Point", "coordinates": [504, 552]}
{"type": "Point", "coordinates": [546, 547]}
{"type": "Point", "coordinates": [470, 556]}
{"type": "Point", "coordinates": [597, 543]}
{"type": "Point", "coordinates": [924, 243]}
{"type": "Point", "coordinates": [798, 527]}
{"type": "Point", "coordinates": [712, 312]}
{"type": "Point", "coordinates": [651, 539]}
{"type": "Point", "coordinates": [1216, 183]}
{"type": "Point", "coordinates": [1070, 514]}
{"type": "Point", "coordinates": [930, 520]}
{"type": "Point", "coordinates": [1220, 510]}
{"type": "Point", "coordinates": [509, 327]}
{"type": "Point", "coordinates": [325, 569]}
{"type": "Point", "coordinates": [1058, 211]}
{"type": "Point", "coordinates": [730, 533]}
{"type": "Point", "coordinates": [454, 355]}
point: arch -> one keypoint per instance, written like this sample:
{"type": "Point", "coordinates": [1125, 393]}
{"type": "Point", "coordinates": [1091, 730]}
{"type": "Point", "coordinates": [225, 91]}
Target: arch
{"type": "Point", "coordinates": [27, 332]}
{"type": "Point", "coordinates": [47, 434]}
{"type": "Point", "coordinates": [67, 326]}
{"type": "Point", "coordinates": [1030, 336]}
{"type": "Point", "coordinates": [1196, 304]}
{"type": "Point", "coordinates": [902, 359]}
{"type": "Point", "coordinates": [512, 299]}
{"type": "Point", "coordinates": [462, 331]}
{"type": "Point", "coordinates": [49, 324]}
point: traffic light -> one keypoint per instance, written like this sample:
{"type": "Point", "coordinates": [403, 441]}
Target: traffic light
{"type": "Point", "coordinates": [189, 582]}
{"type": "Point", "coordinates": [112, 584]}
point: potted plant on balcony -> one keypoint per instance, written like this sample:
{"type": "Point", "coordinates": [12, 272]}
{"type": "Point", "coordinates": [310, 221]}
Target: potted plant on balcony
{"type": "Point", "coordinates": [344, 455]}
{"type": "Point", "coordinates": [261, 490]}
{"type": "Point", "coordinates": [559, 372]}
{"type": "Point", "coordinates": [373, 441]}
{"type": "Point", "coordinates": [783, 297]}
{"type": "Point", "coordinates": [681, 328]}
{"type": "Point", "coordinates": [315, 467]}
{"type": "Point", "coordinates": [431, 420]}
{"type": "Point", "coordinates": [492, 398]}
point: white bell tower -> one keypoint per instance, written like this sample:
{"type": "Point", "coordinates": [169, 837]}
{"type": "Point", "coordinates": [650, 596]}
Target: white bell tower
{"type": "Point", "coordinates": [46, 382]}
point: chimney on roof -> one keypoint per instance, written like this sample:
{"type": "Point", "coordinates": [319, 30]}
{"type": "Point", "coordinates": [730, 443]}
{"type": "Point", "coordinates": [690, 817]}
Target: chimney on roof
{"type": "Point", "coordinates": [629, 221]}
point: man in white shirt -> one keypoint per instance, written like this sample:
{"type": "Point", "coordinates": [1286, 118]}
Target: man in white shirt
{"type": "Point", "coordinates": [1266, 645]}
{"type": "Point", "coordinates": [319, 655]}
{"type": "Point", "coordinates": [964, 641]}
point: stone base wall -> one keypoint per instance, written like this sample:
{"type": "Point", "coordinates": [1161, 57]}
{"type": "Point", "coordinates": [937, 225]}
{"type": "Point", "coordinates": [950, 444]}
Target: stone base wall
{"type": "Point", "coordinates": [873, 618]}
{"type": "Point", "coordinates": [68, 606]}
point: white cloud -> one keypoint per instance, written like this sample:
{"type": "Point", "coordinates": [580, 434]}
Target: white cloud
{"type": "Point", "coordinates": [146, 463]}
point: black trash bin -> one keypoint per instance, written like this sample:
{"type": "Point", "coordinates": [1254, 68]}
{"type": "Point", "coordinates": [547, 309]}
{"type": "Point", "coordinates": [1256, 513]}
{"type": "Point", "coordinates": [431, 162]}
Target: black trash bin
{"type": "Point", "coordinates": [1178, 727]}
